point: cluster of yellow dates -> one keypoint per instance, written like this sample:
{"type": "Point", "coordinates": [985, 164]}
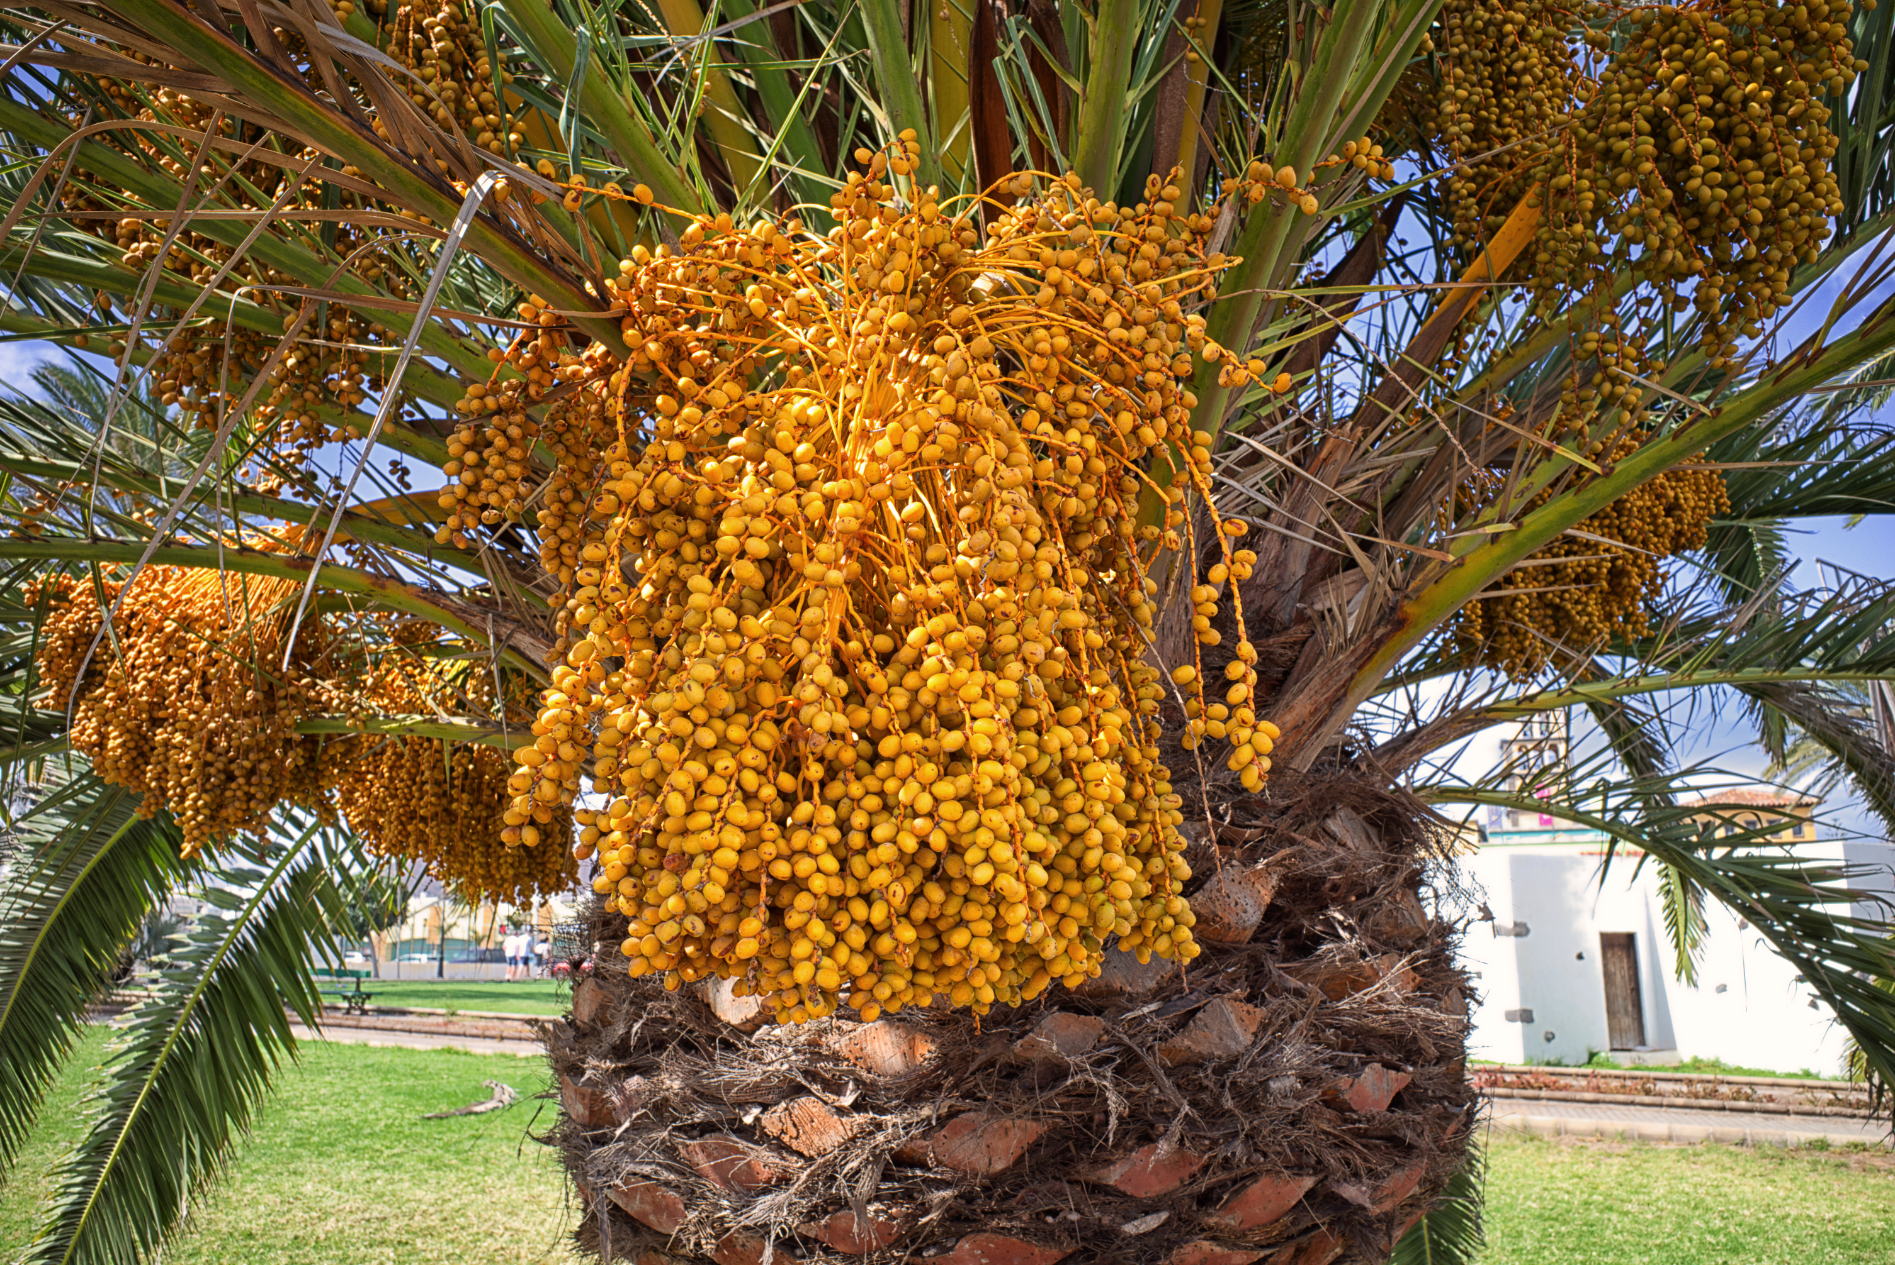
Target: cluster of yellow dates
{"type": "Point", "coordinates": [857, 658]}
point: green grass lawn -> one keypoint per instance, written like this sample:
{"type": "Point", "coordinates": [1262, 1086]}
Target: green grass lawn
{"type": "Point", "coordinates": [342, 1170]}
{"type": "Point", "coordinates": [528, 997]}
{"type": "Point", "coordinates": [1708, 1067]}
{"type": "Point", "coordinates": [1581, 1201]}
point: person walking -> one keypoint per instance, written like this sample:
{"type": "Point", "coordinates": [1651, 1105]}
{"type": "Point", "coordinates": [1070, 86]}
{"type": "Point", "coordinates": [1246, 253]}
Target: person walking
{"type": "Point", "coordinates": [511, 947]}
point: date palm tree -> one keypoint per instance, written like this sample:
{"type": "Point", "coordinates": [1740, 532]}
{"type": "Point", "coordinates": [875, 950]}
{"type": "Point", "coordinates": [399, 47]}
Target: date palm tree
{"type": "Point", "coordinates": [1504, 338]}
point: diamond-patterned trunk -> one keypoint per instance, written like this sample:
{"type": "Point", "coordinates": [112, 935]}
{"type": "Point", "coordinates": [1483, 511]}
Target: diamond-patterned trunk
{"type": "Point", "coordinates": [1297, 1096]}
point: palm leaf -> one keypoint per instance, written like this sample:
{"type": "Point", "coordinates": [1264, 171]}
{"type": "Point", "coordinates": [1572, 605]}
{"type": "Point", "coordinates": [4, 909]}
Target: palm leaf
{"type": "Point", "coordinates": [1636, 738]}
{"type": "Point", "coordinates": [26, 733]}
{"type": "Point", "coordinates": [1682, 902]}
{"type": "Point", "coordinates": [1781, 643]}
{"type": "Point", "coordinates": [1844, 733]}
{"type": "Point", "coordinates": [181, 1086]}
{"type": "Point", "coordinates": [1827, 462]}
{"type": "Point", "coordinates": [1815, 464]}
{"type": "Point", "coordinates": [1857, 1064]}
{"type": "Point", "coordinates": [87, 874]}
{"type": "Point", "coordinates": [1449, 1233]}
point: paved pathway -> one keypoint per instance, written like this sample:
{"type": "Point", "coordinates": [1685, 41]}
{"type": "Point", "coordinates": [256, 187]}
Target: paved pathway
{"type": "Point", "coordinates": [420, 1040]}
{"type": "Point", "coordinates": [1679, 1124]}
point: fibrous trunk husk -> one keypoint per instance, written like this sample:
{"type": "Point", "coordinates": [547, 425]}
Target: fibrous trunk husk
{"type": "Point", "coordinates": [1296, 1096]}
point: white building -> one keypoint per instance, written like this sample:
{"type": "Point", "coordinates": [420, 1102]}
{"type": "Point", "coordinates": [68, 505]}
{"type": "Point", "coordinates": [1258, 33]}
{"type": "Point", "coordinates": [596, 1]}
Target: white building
{"type": "Point", "coordinates": [1572, 965]}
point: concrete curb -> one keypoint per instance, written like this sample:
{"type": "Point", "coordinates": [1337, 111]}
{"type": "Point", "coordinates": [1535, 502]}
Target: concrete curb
{"type": "Point", "coordinates": [1663, 1131]}
{"type": "Point", "coordinates": [1655, 1074]}
{"type": "Point", "coordinates": [1661, 1103]}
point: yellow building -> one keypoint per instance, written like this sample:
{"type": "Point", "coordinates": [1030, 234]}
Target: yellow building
{"type": "Point", "coordinates": [1739, 811]}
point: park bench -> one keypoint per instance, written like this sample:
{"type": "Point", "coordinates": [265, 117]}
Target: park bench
{"type": "Point", "coordinates": [354, 1000]}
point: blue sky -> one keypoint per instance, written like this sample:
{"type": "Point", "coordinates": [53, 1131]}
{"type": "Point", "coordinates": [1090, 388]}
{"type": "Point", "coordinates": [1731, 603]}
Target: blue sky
{"type": "Point", "coordinates": [18, 359]}
{"type": "Point", "coordinates": [1868, 547]}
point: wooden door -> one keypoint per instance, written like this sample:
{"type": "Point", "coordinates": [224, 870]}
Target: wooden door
{"type": "Point", "coordinates": [1624, 1013]}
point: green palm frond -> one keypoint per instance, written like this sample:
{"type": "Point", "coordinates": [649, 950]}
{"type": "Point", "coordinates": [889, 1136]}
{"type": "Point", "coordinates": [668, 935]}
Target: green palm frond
{"type": "Point", "coordinates": [27, 733]}
{"type": "Point", "coordinates": [1865, 164]}
{"type": "Point", "coordinates": [1831, 722]}
{"type": "Point", "coordinates": [44, 441]}
{"type": "Point", "coordinates": [1842, 641]}
{"type": "Point", "coordinates": [1450, 1233]}
{"type": "Point", "coordinates": [1792, 663]}
{"type": "Point", "coordinates": [1857, 1063]}
{"type": "Point", "coordinates": [181, 1085]}
{"type": "Point", "coordinates": [1636, 738]}
{"type": "Point", "coordinates": [1682, 903]}
{"type": "Point", "coordinates": [44, 445]}
{"type": "Point", "coordinates": [1796, 757]}
{"type": "Point", "coordinates": [154, 937]}
{"type": "Point", "coordinates": [86, 874]}
{"type": "Point", "coordinates": [1812, 465]}
{"type": "Point", "coordinates": [1783, 644]}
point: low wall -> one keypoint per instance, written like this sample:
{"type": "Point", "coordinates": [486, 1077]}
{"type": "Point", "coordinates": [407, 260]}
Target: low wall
{"type": "Point", "coordinates": [453, 970]}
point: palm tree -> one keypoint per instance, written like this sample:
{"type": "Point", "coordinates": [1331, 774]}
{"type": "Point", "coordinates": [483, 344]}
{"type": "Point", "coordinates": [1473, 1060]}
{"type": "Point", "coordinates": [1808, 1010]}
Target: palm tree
{"type": "Point", "coordinates": [1076, 349]}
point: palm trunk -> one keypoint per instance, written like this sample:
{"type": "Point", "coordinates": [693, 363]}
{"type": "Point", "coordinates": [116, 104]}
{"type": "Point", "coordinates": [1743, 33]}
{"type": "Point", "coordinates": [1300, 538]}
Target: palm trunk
{"type": "Point", "coordinates": [1296, 1096]}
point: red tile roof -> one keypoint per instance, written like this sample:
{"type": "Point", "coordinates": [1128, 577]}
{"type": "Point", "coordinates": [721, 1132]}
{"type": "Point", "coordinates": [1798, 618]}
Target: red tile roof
{"type": "Point", "coordinates": [1753, 799]}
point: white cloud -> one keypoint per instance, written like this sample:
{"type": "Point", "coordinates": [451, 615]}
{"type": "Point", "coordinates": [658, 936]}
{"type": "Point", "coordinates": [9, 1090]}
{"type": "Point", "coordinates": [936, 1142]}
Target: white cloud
{"type": "Point", "coordinates": [19, 359]}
